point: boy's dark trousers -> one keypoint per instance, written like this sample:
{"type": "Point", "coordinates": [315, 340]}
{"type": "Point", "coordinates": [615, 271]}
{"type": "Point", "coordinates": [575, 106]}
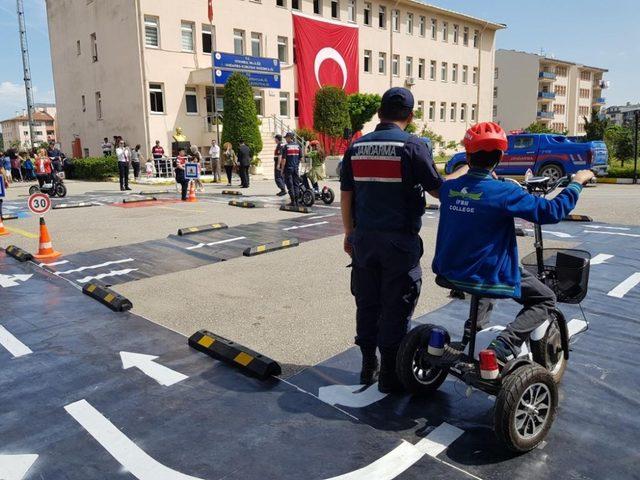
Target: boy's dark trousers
{"type": "Point", "coordinates": [537, 302]}
{"type": "Point", "coordinates": [184, 183]}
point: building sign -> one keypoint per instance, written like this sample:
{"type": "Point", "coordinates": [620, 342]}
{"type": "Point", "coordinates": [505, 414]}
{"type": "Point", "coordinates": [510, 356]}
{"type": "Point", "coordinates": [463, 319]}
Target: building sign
{"type": "Point", "coordinates": [262, 72]}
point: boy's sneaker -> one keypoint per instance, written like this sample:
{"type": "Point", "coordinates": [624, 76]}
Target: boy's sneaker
{"type": "Point", "coordinates": [503, 352]}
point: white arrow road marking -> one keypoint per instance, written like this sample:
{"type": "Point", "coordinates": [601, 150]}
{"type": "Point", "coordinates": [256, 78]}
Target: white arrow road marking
{"type": "Point", "coordinates": [557, 234]}
{"type": "Point", "coordinates": [613, 233]}
{"type": "Point", "coordinates": [112, 273]}
{"type": "Point", "coordinates": [305, 226]}
{"type": "Point", "coordinates": [53, 264]}
{"type": "Point", "coordinates": [161, 374]}
{"type": "Point", "coordinates": [405, 455]}
{"type": "Point", "coordinates": [608, 228]}
{"type": "Point", "coordinates": [601, 258]}
{"type": "Point", "coordinates": [125, 451]}
{"type": "Point", "coordinates": [15, 467]}
{"type": "Point", "coordinates": [623, 288]}
{"type": "Point", "coordinates": [350, 395]}
{"type": "Point", "coordinates": [91, 267]}
{"type": "Point", "coordinates": [576, 326]}
{"type": "Point", "coordinates": [7, 281]}
{"type": "Point", "coordinates": [13, 345]}
{"type": "Point", "coordinates": [228, 240]}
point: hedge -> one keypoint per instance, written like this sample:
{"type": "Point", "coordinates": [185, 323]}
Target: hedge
{"type": "Point", "coordinates": [616, 171]}
{"type": "Point", "coordinates": [95, 168]}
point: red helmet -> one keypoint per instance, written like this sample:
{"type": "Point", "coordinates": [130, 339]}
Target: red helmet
{"type": "Point", "coordinates": [487, 136]}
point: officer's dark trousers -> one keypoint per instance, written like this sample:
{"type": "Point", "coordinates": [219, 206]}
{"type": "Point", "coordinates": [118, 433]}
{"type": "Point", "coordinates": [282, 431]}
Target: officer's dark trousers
{"type": "Point", "coordinates": [244, 175]}
{"type": "Point", "coordinates": [184, 183]}
{"type": "Point", "coordinates": [292, 179]}
{"type": "Point", "coordinates": [123, 170]}
{"type": "Point", "coordinates": [386, 281]}
{"type": "Point", "coordinates": [278, 177]}
{"type": "Point", "coordinates": [537, 302]}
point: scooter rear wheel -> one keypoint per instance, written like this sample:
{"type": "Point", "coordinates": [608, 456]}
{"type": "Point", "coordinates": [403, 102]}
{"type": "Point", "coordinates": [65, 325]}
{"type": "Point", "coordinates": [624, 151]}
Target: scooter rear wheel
{"type": "Point", "coordinates": [412, 365]}
{"type": "Point", "coordinates": [60, 190]}
{"type": "Point", "coordinates": [33, 189]}
{"type": "Point", "coordinates": [549, 353]}
{"type": "Point", "coordinates": [328, 196]}
{"type": "Point", "coordinates": [308, 198]}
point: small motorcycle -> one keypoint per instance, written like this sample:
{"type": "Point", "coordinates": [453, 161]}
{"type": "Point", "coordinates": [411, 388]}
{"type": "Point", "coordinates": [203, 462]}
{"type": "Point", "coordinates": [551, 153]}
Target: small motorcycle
{"type": "Point", "coordinates": [54, 187]}
{"type": "Point", "coordinates": [308, 195]}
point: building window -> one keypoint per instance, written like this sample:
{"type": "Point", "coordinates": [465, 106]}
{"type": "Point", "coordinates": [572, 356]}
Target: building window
{"type": "Point", "coordinates": [284, 104]}
{"type": "Point", "coordinates": [434, 28]}
{"type": "Point", "coordinates": [495, 111]}
{"type": "Point", "coordinates": [422, 26]}
{"type": "Point", "coordinates": [454, 72]}
{"type": "Point", "coordinates": [409, 66]}
{"type": "Point", "coordinates": [367, 13]}
{"type": "Point", "coordinates": [476, 38]}
{"type": "Point", "coordinates": [207, 38]}
{"type": "Point", "coordinates": [84, 103]}
{"type": "Point", "coordinates": [473, 112]}
{"type": "Point", "coordinates": [317, 7]}
{"type": "Point", "coordinates": [410, 23]}
{"type": "Point", "coordinates": [465, 74]}
{"type": "Point", "coordinates": [421, 66]}
{"type": "Point", "coordinates": [495, 73]}
{"type": "Point", "coordinates": [561, 71]}
{"type": "Point", "coordinates": [456, 33]}
{"type": "Point", "coordinates": [283, 49]}
{"type": "Point", "coordinates": [191, 100]}
{"type": "Point", "coordinates": [432, 111]}
{"type": "Point", "coordinates": [465, 36]}
{"type": "Point", "coordinates": [281, 3]}
{"type": "Point", "coordinates": [443, 111]}
{"type": "Point", "coordinates": [186, 36]}
{"type": "Point", "coordinates": [295, 4]}
{"type": "Point", "coordinates": [151, 31]}
{"type": "Point", "coordinates": [463, 112]}
{"type": "Point", "coordinates": [445, 31]}
{"type": "Point", "coordinates": [367, 61]}
{"type": "Point", "coordinates": [238, 42]}
{"type": "Point", "coordinates": [98, 106]}
{"type": "Point", "coordinates": [395, 20]}
{"type": "Point", "coordinates": [296, 107]}
{"type": "Point", "coordinates": [335, 9]}
{"type": "Point", "coordinates": [453, 112]}
{"type": "Point", "coordinates": [421, 108]}
{"type": "Point", "coordinates": [258, 99]}
{"type": "Point", "coordinates": [432, 70]}
{"type": "Point", "coordinates": [443, 71]}
{"type": "Point", "coordinates": [351, 10]}
{"type": "Point", "coordinates": [395, 67]}
{"type": "Point", "coordinates": [474, 77]}
{"type": "Point", "coordinates": [560, 90]}
{"type": "Point", "coordinates": [94, 47]}
{"type": "Point", "coordinates": [156, 98]}
{"type": "Point", "coordinates": [585, 93]}
{"type": "Point", "coordinates": [382, 62]}
{"type": "Point", "coordinates": [495, 92]}
{"type": "Point", "coordinates": [256, 44]}
{"type": "Point", "coordinates": [78, 52]}
{"type": "Point", "coordinates": [382, 17]}
{"type": "Point", "coordinates": [585, 76]}
{"type": "Point", "coordinates": [560, 109]}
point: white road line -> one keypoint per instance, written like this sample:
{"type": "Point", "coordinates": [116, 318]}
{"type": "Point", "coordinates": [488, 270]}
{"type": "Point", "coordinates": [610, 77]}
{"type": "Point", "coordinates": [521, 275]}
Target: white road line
{"type": "Point", "coordinates": [91, 267]}
{"type": "Point", "coordinates": [613, 233]}
{"type": "Point", "coordinates": [124, 450]}
{"type": "Point", "coordinates": [576, 326]}
{"type": "Point", "coordinates": [112, 273]}
{"type": "Point", "coordinates": [601, 258]}
{"type": "Point", "coordinates": [321, 216]}
{"type": "Point", "coordinates": [12, 344]}
{"type": "Point", "coordinates": [161, 374]}
{"type": "Point", "coordinates": [53, 264]}
{"type": "Point", "coordinates": [623, 288]}
{"type": "Point", "coordinates": [15, 467]}
{"type": "Point", "coordinates": [307, 225]}
{"type": "Point", "coordinates": [608, 228]}
{"type": "Point", "coordinates": [557, 234]}
{"type": "Point", "coordinates": [439, 439]}
{"type": "Point", "coordinates": [220, 242]}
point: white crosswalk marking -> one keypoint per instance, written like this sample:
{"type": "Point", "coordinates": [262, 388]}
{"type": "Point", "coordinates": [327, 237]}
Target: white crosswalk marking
{"type": "Point", "coordinates": [307, 225]}
{"type": "Point", "coordinates": [112, 273]}
{"type": "Point", "coordinates": [600, 258]}
{"type": "Point", "coordinates": [92, 267]}
{"type": "Point", "coordinates": [211, 244]}
{"type": "Point", "coordinates": [613, 233]}
{"type": "Point", "coordinates": [624, 287]}
{"type": "Point", "coordinates": [14, 346]}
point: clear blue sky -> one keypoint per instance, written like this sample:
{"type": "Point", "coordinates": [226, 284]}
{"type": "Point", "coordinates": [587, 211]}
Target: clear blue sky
{"type": "Point", "coordinates": [593, 32]}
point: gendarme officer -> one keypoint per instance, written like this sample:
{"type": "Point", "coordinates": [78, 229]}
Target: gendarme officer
{"type": "Point", "coordinates": [384, 175]}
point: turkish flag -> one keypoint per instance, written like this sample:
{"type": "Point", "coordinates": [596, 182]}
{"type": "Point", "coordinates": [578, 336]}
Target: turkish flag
{"type": "Point", "coordinates": [210, 11]}
{"type": "Point", "coordinates": [326, 54]}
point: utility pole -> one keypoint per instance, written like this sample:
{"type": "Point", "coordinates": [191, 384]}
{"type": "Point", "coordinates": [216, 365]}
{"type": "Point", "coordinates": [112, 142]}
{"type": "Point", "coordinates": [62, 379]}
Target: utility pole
{"type": "Point", "coordinates": [636, 118]}
{"type": "Point", "coordinates": [24, 48]}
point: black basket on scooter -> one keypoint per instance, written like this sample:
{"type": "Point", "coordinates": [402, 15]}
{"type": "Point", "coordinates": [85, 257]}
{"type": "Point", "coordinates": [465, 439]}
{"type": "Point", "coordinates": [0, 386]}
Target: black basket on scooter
{"type": "Point", "coordinates": [566, 272]}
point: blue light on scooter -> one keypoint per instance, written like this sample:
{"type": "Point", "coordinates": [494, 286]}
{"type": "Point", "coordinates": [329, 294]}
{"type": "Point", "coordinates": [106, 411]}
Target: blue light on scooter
{"type": "Point", "coordinates": [436, 342]}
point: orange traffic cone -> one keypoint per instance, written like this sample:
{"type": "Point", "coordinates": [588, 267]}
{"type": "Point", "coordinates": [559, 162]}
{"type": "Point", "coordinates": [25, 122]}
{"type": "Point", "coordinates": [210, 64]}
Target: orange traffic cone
{"type": "Point", "coordinates": [192, 193]}
{"type": "Point", "coordinates": [45, 249]}
{"type": "Point", "coordinates": [3, 231]}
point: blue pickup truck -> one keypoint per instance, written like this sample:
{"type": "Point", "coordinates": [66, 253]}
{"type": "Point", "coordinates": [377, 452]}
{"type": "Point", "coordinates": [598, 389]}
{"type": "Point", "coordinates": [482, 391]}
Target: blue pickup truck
{"type": "Point", "coordinates": [546, 155]}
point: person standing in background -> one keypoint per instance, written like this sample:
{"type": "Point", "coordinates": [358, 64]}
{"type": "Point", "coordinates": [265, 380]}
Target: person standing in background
{"type": "Point", "coordinates": [277, 173]}
{"type": "Point", "coordinates": [244, 161]}
{"type": "Point", "coordinates": [107, 147]}
{"type": "Point", "coordinates": [289, 165]}
{"type": "Point", "coordinates": [124, 157]}
{"type": "Point", "coordinates": [214, 153]}
{"type": "Point", "coordinates": [229, 161]}
{"type": "Point", "coordinates": [181, 161]}
{"type": "Point", "coordinates": [157, 152]}
{"type": "Point", "coordinates": [135, 162]}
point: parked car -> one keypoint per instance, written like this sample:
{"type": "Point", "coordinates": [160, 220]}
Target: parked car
{"type": "Point", "coordinates": [547, 155]}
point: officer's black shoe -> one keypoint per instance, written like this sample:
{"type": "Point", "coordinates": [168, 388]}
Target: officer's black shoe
{"type": "Point", "coordinates": [370, 367]}
{"type": "Point", "coordinates": [281, 193]}
{"type": "Point", "coordinates": [388, 381]}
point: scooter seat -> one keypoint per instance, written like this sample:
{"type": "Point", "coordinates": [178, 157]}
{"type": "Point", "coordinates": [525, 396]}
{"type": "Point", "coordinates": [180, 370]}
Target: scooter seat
{"type": "Point", "coordinates": [445, 283]}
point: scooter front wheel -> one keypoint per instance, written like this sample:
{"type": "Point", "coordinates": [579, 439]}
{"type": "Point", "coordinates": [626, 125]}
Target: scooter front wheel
{"type": "Point", "coordinates": [33, 189]}
{"type": "Point", "coordinates": [328, 196]}
{"type": "Point", "coordinates": [60, 190]}
{"type": "Point", "coordinates": [412, 365]}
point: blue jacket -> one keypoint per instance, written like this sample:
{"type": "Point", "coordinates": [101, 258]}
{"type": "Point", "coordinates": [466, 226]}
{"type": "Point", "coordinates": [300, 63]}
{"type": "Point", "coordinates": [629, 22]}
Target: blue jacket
{"type": "Point", "coordinates": [476, 246]}
{"type": "Point", "coordinates": [291, 153]}
{"type": "Point", "coordinates": [388, 170]}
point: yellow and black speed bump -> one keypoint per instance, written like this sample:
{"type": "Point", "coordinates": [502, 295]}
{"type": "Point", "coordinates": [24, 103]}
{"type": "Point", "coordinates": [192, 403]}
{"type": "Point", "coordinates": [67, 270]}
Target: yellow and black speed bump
{"type": "Point", "coordinates": [433, 207]}
{"type": "Point", "coordinates": [138, 200]}
{"type": "Point", "coordinates": [577, 218]}
{"type": "Point", "coordinates": [201, 228]}
{"type": "Point", "coordinates": [293, 208]}
{"type": "Point", "coordinates": [245, 204]}
{"type": "Point", "coordinates": [18, 253]}
{"type": "Point", "coordinates": [9, 217]}
{"type": "Point", "coordinates": [271, 247]}
{"type": "Point", "coordinates": [73, 205]}
{"type": "Point", "coordinates": [234, 354]}
{"type": "Point", "coordinates": [230, 192]}
{"type": "Point", "coordinates": [108, 297]}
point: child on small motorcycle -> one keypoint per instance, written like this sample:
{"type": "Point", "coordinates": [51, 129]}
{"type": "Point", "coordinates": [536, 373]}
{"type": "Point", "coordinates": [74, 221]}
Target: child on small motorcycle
{"type": "Point", "coordinates": [476, 246]}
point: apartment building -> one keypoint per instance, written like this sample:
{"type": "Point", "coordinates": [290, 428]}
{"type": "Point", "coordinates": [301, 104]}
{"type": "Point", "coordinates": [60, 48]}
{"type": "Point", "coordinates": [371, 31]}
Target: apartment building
{"type": "Point", "coordinates": [15, 131]}
{"type": "Point", "coordinates": [534, 88]}
{"type": "Point", "coordinates": [622, 114]}
{"type": "Point", "coordinates": [141, 68]}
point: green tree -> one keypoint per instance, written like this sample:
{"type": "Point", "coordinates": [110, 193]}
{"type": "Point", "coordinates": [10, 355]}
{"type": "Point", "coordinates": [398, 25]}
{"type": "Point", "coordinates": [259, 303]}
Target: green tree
{"type": "Point", "coordinates": [595, 127]}
{"type": "Point", "coordinates": [411, 128]}
{"type": "Point", "coordinates": [362, 108]}
{"type": "Point", "coordinates": [619, 142]}
{"type": "Point", "coordinates": [1, 142]}
{"type": "Point", "coordinates": [331, 114]}
{"type": "Point", "coordinates": [307, 134]}
{"type": "Point", "coordinates": [241, 118]}
{"type": "Point", "coordinates": [538, 127]}
{"type": "Point", "coordinates": [436, 139]}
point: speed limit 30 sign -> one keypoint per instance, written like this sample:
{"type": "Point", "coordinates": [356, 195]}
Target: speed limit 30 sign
{"type": "Point", "coordinates": [39, 203]}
